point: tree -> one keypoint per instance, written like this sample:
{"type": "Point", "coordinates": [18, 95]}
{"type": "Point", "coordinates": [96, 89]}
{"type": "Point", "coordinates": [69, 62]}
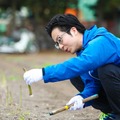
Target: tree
{"type": "Point", "coordinates": [109, 11]}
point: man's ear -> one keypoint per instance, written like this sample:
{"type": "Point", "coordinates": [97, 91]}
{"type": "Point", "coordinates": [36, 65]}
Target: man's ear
{"type": "Point", "coordinates": [73, 31]}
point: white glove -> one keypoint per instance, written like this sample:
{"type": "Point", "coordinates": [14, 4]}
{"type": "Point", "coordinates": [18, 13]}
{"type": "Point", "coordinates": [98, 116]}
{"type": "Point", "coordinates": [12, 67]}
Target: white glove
{"type": "Point", "coordinates": [33, 75]}
{"type": "Point", "coordinates": [77, 103]}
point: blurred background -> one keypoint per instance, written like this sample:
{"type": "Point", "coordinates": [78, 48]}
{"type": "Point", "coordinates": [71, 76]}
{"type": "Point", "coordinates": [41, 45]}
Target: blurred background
{"type": "Point", "coordinates": [22, 22]}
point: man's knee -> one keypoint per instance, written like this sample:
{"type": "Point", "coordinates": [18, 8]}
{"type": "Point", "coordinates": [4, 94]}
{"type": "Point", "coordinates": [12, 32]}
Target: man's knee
{"type": "Point", "coordinates": [108, 70]}
{"type": "Point", "coordinates": [77, 83]}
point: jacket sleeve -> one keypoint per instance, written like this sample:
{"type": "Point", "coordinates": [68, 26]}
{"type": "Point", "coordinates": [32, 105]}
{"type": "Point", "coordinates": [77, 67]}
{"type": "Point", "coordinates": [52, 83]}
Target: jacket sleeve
{"type": "Point", "coordinates": [97, 53]}
{"type": "Point", "coordinates": [91, 87]}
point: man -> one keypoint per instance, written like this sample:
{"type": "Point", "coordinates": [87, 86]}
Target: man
{"type": "Point", "coordinates": [95, 69]}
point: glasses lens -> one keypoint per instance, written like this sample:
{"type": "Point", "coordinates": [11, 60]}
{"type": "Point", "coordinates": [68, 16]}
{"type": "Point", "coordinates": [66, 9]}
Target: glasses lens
{"type": "Point", "coordinates": [57, 45]}
{"type": "Point", "coordinates": [59, 40]}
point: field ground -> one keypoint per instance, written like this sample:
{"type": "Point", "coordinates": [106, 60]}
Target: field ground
{"type": "Point", "coordinates": [15, 102]}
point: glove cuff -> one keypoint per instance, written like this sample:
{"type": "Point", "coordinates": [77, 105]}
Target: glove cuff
{"type": "Point", "coordinates": [43, 71]}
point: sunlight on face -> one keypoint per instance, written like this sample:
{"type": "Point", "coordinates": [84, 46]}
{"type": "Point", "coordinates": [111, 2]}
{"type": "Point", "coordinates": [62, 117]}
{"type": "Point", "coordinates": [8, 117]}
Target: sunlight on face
{"type": "Point", "coordinates": [67, 42]}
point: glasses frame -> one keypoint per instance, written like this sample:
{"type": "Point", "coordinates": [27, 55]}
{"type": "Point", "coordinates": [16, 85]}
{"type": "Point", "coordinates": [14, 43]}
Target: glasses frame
{"type": "Point", "coordinates": [60, 40]}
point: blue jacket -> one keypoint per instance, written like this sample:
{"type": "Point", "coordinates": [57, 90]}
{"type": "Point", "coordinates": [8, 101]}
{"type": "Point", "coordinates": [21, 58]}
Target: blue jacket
{"type": "Point", "coordinates": [100, 47]}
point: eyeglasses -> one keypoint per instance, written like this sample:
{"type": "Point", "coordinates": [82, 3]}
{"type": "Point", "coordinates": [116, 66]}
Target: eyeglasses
{"type": "Point", "coordinates": [59, 40]}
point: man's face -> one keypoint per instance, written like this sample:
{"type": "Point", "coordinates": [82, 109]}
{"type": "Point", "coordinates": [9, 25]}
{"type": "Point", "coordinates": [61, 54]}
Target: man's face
{"type": "Point", "coordinates": [67, 42]}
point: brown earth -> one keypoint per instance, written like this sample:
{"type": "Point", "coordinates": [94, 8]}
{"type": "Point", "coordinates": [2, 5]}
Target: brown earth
{"type": "Point", "coordinates": [15, 102]}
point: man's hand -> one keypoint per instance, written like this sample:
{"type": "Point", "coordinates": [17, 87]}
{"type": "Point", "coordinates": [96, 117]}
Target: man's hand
{"type": "Point", "coordinates": [33, 75]}
{"type": "Point", "coordinates": [77, 103]}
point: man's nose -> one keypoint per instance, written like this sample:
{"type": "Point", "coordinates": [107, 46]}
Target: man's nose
{"type": "Point", "coordinates": [60, 46]}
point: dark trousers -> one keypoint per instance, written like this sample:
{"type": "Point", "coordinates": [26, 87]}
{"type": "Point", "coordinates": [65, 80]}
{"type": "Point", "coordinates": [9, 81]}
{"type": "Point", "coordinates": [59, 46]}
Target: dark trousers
{"type": "Point", "coordinates": [109, 95]}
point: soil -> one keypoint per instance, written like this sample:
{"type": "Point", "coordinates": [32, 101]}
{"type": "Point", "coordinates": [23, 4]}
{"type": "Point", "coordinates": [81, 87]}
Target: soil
{"type": "Point", "coordinates": [15, 102]}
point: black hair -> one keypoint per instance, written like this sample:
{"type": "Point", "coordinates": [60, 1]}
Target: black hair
{"type": "Point", "coordinates": [64, 22]}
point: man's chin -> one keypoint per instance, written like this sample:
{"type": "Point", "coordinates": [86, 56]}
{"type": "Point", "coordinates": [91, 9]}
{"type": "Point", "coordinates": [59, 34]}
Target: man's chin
{"type": "Point", "coordinates": [72, 52]}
